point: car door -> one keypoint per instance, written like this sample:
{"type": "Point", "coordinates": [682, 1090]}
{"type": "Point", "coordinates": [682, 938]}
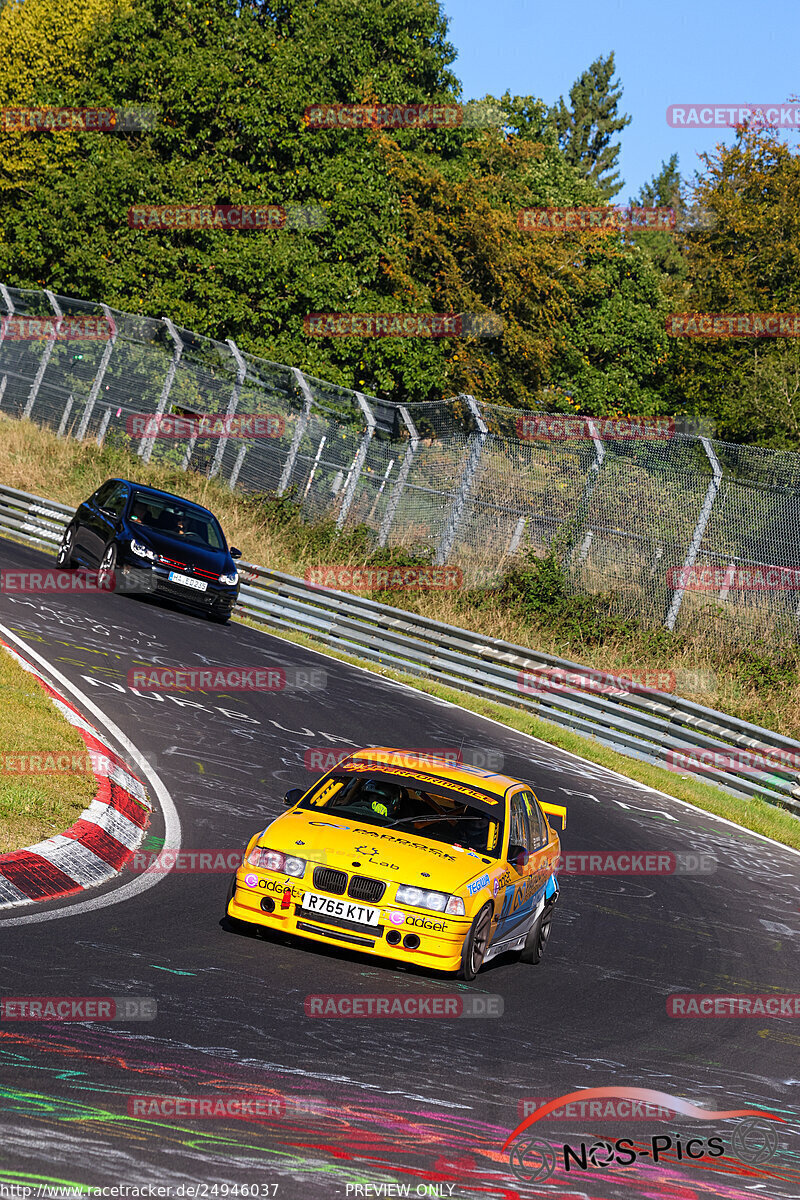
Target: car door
{"type": "Point", "coordinates": [104, 519]}
{"type": "Point", "coordinates": [514, 893]}
{"type": "Point", "coordinates": [86, 522]}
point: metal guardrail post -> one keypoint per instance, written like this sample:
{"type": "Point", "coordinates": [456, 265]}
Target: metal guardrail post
{"type": "Point", "coordinates": [10, 310]}
{"type": "Point", "coordinates": [97, 382]}
{"type": "Point", "coordinates": [467, 478]}
{"type": "Point", "coordinates": [697, 536]}
{"type": "Point", "coordinates": [402, 478]}
{"type": "Point", "coordinates": [299, 430]}
{"type": "Point", "coordinates": [47, 352]}
{"type": "Point", "coordinates": [360, 459]}
{"type": "Point", "coordinates": [147, 442]}
{"type": "Point", "coordinates": [233, 404]}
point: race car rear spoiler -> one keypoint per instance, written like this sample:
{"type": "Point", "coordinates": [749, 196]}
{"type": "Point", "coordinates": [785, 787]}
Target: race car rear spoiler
{"type": "Point", "coordinates": [555, 810]}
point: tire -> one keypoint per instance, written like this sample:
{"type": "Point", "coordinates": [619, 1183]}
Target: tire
{"type": "Point", "coordinates": [106, 580]}
{"type": "Point", "coordinates": [65, 560]}
{"type": "Point", "coordinates": [475, 944]}
{"type": "Point", "coordinates": [538, 935]}
{"type": "Point", "coordinates": [218, 618]}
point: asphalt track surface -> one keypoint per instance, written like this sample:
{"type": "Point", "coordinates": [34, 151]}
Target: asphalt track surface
{"type": "Point", "coordinates": [418, 1103]}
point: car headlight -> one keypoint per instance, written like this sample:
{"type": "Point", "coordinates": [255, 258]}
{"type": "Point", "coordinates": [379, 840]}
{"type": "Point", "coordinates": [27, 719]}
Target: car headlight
{"type": "Point", "coordinates": [141, 550]}
{"type": "Point", "coordinates": [273, 860]}
{"type": "Point", "coordinates": [419, 898]}
{"type": "Point", "coordinates": [231, 579]}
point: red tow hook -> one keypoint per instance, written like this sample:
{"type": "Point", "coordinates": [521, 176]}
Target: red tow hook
{"type": "Point", "coordinates": [286, 898]}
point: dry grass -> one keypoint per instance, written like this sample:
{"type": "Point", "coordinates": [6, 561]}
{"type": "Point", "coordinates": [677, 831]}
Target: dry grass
{"type": "Point", "coordinates": [36, 806]}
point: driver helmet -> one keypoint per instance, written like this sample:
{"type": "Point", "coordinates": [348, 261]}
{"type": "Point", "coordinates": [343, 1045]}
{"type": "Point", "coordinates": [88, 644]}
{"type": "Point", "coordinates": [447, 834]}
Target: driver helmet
{"type": "Point", "coordinates": [384, 798]}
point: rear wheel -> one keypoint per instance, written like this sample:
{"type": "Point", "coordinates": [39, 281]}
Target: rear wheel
{"type": "Point", "coordinates": [66, 548]}
{"type": "Point", "coordinates": [538, 935]}
{"type": "Point", "coordinates": [475, 944]}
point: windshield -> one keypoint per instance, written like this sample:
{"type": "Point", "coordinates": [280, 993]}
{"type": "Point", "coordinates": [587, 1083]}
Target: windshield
{"type": "Point", "coordinates": [173, 519]}
{"type": "Point", "coordinates": [409, 810]}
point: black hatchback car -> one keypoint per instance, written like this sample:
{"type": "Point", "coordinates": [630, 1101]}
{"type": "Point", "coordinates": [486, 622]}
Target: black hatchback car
{"type": "Point", "coordinates": [142, 540]}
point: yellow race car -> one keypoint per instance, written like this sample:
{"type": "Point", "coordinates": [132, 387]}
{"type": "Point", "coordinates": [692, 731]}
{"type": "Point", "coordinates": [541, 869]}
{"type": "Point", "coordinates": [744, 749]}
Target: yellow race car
{"type": "Point", "coordinates": [410, 858]}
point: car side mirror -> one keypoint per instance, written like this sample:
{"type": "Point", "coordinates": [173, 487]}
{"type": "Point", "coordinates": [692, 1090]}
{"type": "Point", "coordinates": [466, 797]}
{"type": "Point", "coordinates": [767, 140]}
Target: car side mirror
{"type": "Point", "coordinates": [292, 796]}
{"type": "Point", "coordinates": [518, 856]}
{"type": "Point", "coordinates": [235, 553]}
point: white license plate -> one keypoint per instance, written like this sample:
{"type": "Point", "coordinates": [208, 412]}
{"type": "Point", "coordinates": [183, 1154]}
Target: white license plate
{"type": "Point", "coordinates": [197, 584]}
{"type": "Point", "coordinates": [347, 910]}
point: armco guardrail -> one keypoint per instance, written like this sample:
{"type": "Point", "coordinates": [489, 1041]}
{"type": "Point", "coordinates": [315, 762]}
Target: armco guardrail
{"type": "Point", "coordinates": [645, 724]}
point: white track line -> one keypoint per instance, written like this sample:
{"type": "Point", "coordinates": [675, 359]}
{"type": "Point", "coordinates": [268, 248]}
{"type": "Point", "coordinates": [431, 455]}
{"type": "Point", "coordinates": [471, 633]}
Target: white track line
{"type": "Point", "coordinates": [172, 822]}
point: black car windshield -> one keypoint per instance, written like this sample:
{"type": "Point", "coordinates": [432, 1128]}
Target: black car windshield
{"type": "Point", "coordinates": [408, 810]}
{"type": "Point", "coordinates": [170, 517]}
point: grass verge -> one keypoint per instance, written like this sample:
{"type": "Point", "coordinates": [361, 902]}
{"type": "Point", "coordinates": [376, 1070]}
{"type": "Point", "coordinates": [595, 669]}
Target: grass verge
{"type": "Point", "coordinates": [36, 806]}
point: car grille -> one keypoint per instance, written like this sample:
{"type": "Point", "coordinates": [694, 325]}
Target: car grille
{"type": "Point", "coordinates": [329, 880]}
{"type": "Point", "coordinates": [374, 931]}
{"type": "Point", "coordinates": [188, 569]}
{"type": "Point", "coordinates": [362, 888]}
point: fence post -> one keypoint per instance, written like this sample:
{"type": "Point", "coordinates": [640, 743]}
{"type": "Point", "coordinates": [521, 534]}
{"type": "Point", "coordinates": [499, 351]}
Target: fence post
{"type": "Point", "coordinates": [299, 430]}
{"type": "Point", "coordinates": [592, 476]}
{"type": "Point", "coordinates": [402, 478]}
{"type": "Point", "coordinates": [48, 350]}
{"type": "Point", "coordinates": [697, 537]}
{"type": "Point", "coordinates": [241, 372]}
{"type": "Point", "coordinates": [97, 382]}
{"type": "Point", "coordinates": [467, 478]}
{"type": "Point", "coordinates": [237, 466]}
{"type": "Point", "coordinates": [147, 443]}
{"type": "Point", "coordinates": [516, 537]}
{"type": "Point", "coordinates": [101, 433]}
{"type": "Point", "coordinates": [360, 459]}
{"type": "Point", "coordinates": [10, 310]}
{"type": "Point", "coordinates": [65, 416]}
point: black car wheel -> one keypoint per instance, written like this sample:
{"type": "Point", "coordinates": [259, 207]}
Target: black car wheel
{"type": "Point", "coordinates": [106, 575]}
{"type": "Point", "coordinates": [65, 560]}
{"type": "Point", "coordinates": [538, 935]}
{"type": "Point", "coordinates": [475, 944]}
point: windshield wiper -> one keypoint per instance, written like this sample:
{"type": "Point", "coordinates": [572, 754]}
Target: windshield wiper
{"type": "Point", "coordinates": [421, 817]}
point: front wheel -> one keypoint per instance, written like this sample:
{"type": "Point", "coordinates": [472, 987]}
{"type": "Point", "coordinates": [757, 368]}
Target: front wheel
{"type": "Point", "coordinates": [475, 944]}
{"type": "Point", "coordinates": [65, 560]}
{"type": "Point", "coordinates": [106, 580]}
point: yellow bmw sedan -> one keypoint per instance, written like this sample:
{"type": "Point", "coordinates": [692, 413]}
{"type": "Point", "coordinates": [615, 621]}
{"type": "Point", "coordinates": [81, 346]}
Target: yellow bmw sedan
{"type": "Point", "coordinates": [410, 858]}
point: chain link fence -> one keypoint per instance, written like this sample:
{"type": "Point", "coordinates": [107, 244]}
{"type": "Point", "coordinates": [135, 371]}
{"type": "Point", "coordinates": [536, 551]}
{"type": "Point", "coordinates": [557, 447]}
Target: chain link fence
{"type": "Point", "coordinates": [676, 529]}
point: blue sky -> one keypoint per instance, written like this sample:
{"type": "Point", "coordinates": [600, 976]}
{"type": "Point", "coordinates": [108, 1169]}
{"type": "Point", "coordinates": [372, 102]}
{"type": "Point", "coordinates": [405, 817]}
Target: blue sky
{"type": "Point", "coordinates": [714, 51]}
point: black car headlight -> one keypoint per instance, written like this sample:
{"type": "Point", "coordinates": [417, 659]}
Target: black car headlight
{"type": "Point", "coordinates": [441, 902]}
{"type": "Point", "coordinates": [232, 579]}
{"type": "Point", "coordinates": [142, 551]}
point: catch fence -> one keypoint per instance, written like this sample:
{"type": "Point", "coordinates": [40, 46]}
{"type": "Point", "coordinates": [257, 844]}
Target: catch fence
{"type": "Point", "coordinates": [675, 528]}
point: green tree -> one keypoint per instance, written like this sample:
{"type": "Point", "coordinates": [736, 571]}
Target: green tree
{"type": "Point", "coordinates": [587, 125]}
{"type": "Point", "coordinates": [743, 258]}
